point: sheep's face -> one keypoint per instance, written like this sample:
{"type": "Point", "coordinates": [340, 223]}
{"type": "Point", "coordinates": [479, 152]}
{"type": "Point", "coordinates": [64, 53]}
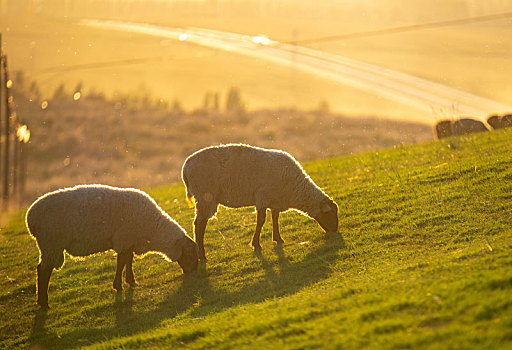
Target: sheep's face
{"type": "Point", "coordinates": [327, 215]}
{"type": "Point", "coordinates": [189, 255]}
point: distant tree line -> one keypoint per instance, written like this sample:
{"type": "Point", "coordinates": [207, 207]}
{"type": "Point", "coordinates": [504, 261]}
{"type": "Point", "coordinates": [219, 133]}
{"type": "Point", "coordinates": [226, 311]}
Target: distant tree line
{"type": "Point", "coordinates": [26, 91]}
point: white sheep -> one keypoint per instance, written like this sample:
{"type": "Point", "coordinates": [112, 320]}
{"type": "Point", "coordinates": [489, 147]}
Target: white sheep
{"type": "Point", "coordinates": [240, 176]}
{"type": "Point", "coordinates": [88, 219]}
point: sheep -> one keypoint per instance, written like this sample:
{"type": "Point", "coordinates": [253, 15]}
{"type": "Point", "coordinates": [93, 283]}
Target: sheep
{"type": "Point", "coordinates": [494, 121]}
{"type": "Point", "coordinates": [468, 126]}
{"type": "Point", "coordinates": [443, 128]}
{"type": "Point", "coordinates": [447, 128]}
{"type": "Point", "coordinates": [500, 121]}
{"type": "Point", "coordinates": [506, 120]}
{"type": "Point", "coordinates": [238, 175]}
{"type": "Point", "coordinates": [89, 219]}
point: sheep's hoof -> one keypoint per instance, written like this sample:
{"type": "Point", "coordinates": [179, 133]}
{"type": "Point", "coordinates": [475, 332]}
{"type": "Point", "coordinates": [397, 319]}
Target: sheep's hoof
{"type": "Point", "coordinates": [118, 287]}
{"type": "Point", "coordinates": [44, 306]}
{"type": "Point", "coordinates": [131, 281]}
{"type": "Point", "coordinates": [279, 241]}
{"type": "Point", "coordinates": [256, 247]}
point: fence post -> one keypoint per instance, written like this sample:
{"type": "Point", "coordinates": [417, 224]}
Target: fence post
{"type": "Point", "coordinates": [1, 109]}
{"type": "Point", "coordinates": [23, 137]}
{"type": "Point", "coordinates": [7, 132]}
{"type": "Point", "coordinates": [23, 173]}
{"type": "Point", "coordinates": [15, 164]}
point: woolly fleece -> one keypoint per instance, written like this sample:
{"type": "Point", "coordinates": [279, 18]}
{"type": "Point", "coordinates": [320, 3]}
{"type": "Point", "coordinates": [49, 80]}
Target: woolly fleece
{"type": "Point", "coordinates": [87, 219]}
{"type": "Point", "coordinates": [237, 175]}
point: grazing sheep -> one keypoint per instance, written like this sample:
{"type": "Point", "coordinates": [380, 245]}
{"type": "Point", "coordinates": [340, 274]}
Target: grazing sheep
{"type": "Point", "coordinates": [88, 219]}
{"type": "Point", "coordinates": [494, 121]}
{"type": "Point", "coordinates": [240, 176]}
{"type": "Point", "coordinates": [443, 128]}
{"type": "Point", "coordinates": [506, 120]}
{"type": "Point", "coordinates": [500, 121]}
{"type": "Point", "coordinates": [468, 126]}
{"type": "Point", "coordinates": [447, 128]}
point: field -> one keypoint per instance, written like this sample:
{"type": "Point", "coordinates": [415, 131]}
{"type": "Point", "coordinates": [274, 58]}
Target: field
{"type": "Point", "coordinates": [423, 261]}
{"type": "Point", "coordinates": [138, 143]}
{"type": "Point", "coordinates": [52, 48]}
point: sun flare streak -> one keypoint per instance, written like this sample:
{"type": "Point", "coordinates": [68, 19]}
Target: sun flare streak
{"type": "Point", "coordinates": [400, 87]}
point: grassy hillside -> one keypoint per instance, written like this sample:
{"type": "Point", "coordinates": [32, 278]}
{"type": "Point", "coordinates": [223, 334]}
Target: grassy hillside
{"type": "Point", "coordinates": [423, 261]}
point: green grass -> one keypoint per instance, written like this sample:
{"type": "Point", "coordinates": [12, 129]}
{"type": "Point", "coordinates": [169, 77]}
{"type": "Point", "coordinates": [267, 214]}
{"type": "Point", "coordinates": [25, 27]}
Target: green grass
{"type": "Point", "coordinates": [423, 261]}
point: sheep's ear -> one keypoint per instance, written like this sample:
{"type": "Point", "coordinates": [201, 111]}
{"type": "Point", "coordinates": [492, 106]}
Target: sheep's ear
{"type": "Point", "coordinates": [325, 205]}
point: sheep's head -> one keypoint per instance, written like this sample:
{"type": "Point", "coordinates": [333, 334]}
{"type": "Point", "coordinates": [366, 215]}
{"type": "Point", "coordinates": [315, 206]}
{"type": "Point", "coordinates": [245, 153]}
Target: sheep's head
{"type": "Point", "coordinates": [189, 255]}
{"type": "Point", "coordinates": [327, 215]}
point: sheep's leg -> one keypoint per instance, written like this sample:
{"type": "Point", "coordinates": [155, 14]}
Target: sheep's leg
{"type": "Point", "coordinates": [276, 236]}
{"type": "Point", "coordinates": [205, 209]}
{"type": "Point", "coordinates": [260, 220]}
{"type": "Point", "coordinates": [130, 278]}
{"type": "Point", "coordinates": [121, 262]}
{"type": "Point", "coordinates": [43, 279]}
{"type": "Point", "coordinates": [199, 230]}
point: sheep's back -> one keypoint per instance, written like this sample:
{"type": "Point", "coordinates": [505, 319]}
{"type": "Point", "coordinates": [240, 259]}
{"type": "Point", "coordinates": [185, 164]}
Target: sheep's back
{"type": "Point", "coordinates": [235, 175]}
{"type": "Point", "coordinates": [75, 220]}
{"type": "Point", "coordinates": [89, 219]}
{"type": "Point", "coordinates": [467, 126]}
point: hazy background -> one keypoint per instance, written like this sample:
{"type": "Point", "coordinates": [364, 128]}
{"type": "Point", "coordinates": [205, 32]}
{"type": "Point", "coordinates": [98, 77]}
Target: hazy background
{"type": "Point", "coordinates": [146, 103]}
{"type": "Point", "coordinates": [44, 40]}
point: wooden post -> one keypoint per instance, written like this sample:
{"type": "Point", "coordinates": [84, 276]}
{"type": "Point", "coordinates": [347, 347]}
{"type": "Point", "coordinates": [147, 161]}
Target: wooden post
{"type": "Point", "coordinates": [15, 165]}
{"type": "Point", "coordinates": [20, 162]}
{"type": "Point", "coordinates": [7, 134]}
{"type": "Point", "coordinates": [1, 110]}
{"type": "Point", "coordinates": [23, 173]}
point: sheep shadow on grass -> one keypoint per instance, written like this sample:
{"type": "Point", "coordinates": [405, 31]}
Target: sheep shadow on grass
{"type": "Point", "coordinates": [196, 295]}
{"type": "Point", "coordinates": [290, 277]}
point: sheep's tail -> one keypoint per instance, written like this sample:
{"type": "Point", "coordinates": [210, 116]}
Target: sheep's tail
{"type": "Point", "coordinates": [190, 200]}
{"type": "Point", "coordinates": [190, 196]}
{"type": "Point", "coordinates": [30, 223]}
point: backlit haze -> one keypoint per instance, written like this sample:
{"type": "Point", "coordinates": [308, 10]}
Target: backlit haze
{"type": "Point", "coordinates": [68, 42]}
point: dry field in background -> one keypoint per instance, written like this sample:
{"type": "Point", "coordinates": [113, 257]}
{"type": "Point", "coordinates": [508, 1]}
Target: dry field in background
{"type": "Point", "coordinates": [473, 57]}
{"type": "Point", "coordinates": [98, 141]}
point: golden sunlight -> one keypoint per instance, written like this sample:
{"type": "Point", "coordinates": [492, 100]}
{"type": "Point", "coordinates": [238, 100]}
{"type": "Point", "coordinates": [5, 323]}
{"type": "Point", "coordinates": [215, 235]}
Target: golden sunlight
{"type": "Point", "coordinates": [23, 134]}
{"type": "Point", "coordinates": [260, 39]}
